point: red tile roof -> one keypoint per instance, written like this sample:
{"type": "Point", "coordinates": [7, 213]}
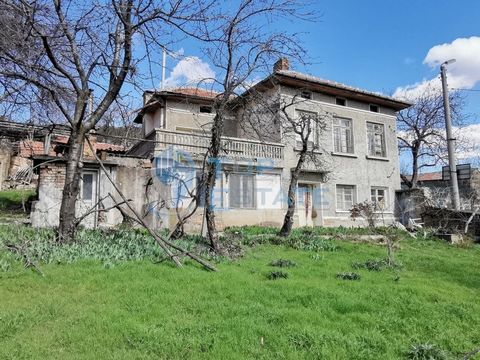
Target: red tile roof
{"type": "Point", "coordinates": [430, 176]}
{"type": "Point", "coordinates": [203, 93]}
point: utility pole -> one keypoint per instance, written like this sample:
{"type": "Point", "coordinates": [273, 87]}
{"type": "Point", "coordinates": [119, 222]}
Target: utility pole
{"type": "Point", "coordinates": [452, 161]}
{"type": "Point", "coordinates": [164, 65]}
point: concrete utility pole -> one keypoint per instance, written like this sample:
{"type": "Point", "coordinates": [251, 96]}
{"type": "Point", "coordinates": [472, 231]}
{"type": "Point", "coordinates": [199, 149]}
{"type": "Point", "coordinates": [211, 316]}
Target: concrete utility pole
{"type": "Point", "coordinates": [452, 161]}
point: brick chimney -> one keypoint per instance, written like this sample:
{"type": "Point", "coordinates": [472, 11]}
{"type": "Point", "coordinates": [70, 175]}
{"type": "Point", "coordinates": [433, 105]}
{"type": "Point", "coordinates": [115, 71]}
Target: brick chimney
{"type": "Point", "coordinates": [281, 64]}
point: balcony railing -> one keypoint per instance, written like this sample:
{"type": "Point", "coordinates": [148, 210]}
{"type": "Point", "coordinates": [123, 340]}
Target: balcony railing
{"type": "Point", "coordinates": [231, 147]}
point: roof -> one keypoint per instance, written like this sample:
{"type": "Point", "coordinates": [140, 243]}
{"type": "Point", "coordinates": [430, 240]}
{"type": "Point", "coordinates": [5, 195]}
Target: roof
{"type": "Point", "coordinates": [432, 176]}
{"type": "Point", "coordinates": [297, 79]}
{"type": "Point", "coordinates": [191, 93]}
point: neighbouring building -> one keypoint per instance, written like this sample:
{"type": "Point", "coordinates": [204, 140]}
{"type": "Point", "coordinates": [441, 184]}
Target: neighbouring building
{"type": "Point", "coordinates": [436, 186]}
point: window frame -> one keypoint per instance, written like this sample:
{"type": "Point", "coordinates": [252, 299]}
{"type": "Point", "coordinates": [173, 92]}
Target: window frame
{"type": "Point", "coordinates": [374, 105]}
{"type": "Point", "coordinates": [374, 197]}
{"type": "Point", "coordinates": [231, 191]}
{"type": "Point", "coordinates": [204, 107]}
{"type": "Point", "coordinates": [315, 141]}
{"type": "Point", "coordinates": [352, 137]}
{"type": "Point", "coordinates": [94, 186]}
{"type": "Point", "coordinates": [305, 94]}
{"type": "Point", "coordinates": [384, 142]}
{"type": "Point", "coordinates": [354, 197]}
{"type": "Point", "coordinates": [341, 99]}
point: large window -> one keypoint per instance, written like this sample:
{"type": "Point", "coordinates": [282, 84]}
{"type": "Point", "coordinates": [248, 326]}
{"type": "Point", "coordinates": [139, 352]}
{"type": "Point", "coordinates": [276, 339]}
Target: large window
{"type": "Point", "coordinates": [342, 135]}
{"type": "Point", "coordinates": [378, 195]}
{"type": "Point", "coordinates": [242, 191]}
{"type": "Point", "coordinates": [307, 121]}
{"type": "Point", "coordinates": [345, 197]}
{"type": "Point", "coordinates": [376, 139]}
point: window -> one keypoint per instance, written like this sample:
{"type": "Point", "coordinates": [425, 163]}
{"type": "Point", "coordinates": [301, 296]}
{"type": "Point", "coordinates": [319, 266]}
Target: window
{"type": "Point", "coordinates": [205, 109]}
{"type": "Point", "coordinates": [374, 108]}
{"type": "Point", "coordinates": [307, 119]}
{"type": "Point", "coordinates": [341, 101]}
{"type": "Point", "coordinates": [87, 186]}
{"type": "Point", "coordinates": [242, 191]}
{"type": "Point", "coordinates": [345, 197]}
{"type": "Point", "coordinates": [342, 135]}
{"type": "Point", "coordinates": [376, 140]}
{"type": "Point", "coordinates": [306, 94]}
{"type": "Point", "coordinates": [378, 195]}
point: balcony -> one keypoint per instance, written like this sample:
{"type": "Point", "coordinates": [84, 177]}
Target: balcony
{"type": "Point", "coordinates": [232, 148]}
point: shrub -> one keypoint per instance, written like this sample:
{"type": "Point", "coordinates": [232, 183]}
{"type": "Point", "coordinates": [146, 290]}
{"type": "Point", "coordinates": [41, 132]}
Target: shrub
{"type": "Point", "coordinates": [275, 275]}
{"type": "Point", "coordinates": [283, 263]}
{"type": "Point", "coordinates": [426, 352]}
{"type": "Point", "coordinates": [371, 265]}
{"type": "Point", "coordinates": [348, 276]}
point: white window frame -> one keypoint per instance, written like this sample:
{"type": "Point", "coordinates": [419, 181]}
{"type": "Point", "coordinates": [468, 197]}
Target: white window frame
{"type": "Point", "coordinates": [94, 175]}
{"type": "Point", "coordinates": [342, 208]}
{"type": "Point", "coordinates": [231, 191]}
{"type": "Point", "coordinates": [374, 197]}
{"type": "Point", "coordinates": [314, 136]}
{"type": "Point", "coordinates": [352, 141]}
{"type": "Point", "coordinates": [384, 143]}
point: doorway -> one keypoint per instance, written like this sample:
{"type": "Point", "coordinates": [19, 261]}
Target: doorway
{"type": "Point", "coordinates": [305, 210]}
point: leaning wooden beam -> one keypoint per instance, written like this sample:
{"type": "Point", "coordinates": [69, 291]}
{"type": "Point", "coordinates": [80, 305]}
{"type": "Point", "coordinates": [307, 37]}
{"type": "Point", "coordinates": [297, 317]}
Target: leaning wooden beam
{"type": "Point", "coordinates": [164, 243]}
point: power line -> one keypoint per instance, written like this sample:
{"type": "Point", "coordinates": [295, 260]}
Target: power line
{"type": "Point", "coordinates": [474, 90]}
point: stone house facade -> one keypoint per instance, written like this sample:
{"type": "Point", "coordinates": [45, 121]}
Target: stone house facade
{"type": "Point", "coordinates": [358, 156]}
{"type": "Point", "coordinates": [359, 150]}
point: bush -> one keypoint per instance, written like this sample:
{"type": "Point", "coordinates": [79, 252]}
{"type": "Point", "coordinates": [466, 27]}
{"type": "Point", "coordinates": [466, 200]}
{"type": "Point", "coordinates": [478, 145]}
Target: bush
{"type": "Point", "coordinates": [371, 265]}
{"type": "Point", "coordinates": [426, 352]}
{"type": "Point", "coordinates": [283, 263]}
{"type": "Point", "coordinates": [348, 276]}
{"type": "Point", "coordinates": [275, 275]}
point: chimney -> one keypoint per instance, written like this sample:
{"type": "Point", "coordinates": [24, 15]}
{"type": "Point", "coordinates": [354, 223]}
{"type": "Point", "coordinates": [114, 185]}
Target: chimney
{"type": "Point", "coordinates": [281, 64]}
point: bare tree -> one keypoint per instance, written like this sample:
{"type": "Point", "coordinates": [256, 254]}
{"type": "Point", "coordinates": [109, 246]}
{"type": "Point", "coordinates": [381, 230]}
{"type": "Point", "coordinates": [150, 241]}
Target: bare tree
{"type": "Point", "coordinates": [66, 52]}
{"type": "Point", "coordinates": [421, 131]}
{"type": "Point", "coordinates": [305, 130]}
{"type": "Point", "coordinates": [242, 45]}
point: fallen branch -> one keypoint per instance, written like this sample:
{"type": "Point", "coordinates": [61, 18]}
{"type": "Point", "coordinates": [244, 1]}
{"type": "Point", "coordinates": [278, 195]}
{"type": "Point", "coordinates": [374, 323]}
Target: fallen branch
{"type": "Point", "coordinates": [27, 262]}
{"type": "Point", "coordinates": [163, 243]}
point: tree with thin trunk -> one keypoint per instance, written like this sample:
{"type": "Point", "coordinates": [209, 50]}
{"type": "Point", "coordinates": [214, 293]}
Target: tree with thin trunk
{"type": "Point", "coordinates": [242, 46]}
{"type": "Point", "coordinates": [421, 131]}
{"type": "Point", "coordinates": [70, 54]}
{"type": "Point", "coordinates": [304, 129]}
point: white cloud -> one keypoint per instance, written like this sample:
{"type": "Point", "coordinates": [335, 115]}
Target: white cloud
{"type": "Point", "coordinates": [464, 73]}
{"type": "Point", "coordinates": [468, 143]}
{"type": "Point", "coordinates": [190, 71]}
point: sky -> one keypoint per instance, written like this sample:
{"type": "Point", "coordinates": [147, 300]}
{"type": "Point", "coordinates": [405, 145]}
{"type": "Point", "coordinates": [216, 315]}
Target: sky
{"type": "Point", "coordinates": [387, 46]}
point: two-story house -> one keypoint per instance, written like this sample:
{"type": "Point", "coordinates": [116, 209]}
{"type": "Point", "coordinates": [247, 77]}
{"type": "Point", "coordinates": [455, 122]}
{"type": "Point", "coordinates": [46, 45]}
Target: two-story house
{"type": "Point", "coordinates": [358, 149]}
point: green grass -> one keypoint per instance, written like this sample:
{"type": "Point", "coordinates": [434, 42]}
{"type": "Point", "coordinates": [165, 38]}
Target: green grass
{"type": "Point", "coordinates": [139, 310]}
{"type": "Point", "coordinates": [12, 199]}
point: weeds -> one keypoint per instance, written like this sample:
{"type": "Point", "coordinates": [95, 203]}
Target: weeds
{"type": "Point", "coordinates": [283, 263]}
{"type": "Point", "coordinates": [426, 352]}
{"type": "Point", "coordinates": [348, 276]}
{"type": "Point", "coordinates": [275, 275]}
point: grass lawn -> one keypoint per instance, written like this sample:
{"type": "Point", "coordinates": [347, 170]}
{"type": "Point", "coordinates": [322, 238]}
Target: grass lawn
{"type": "Point", "coordinates": [138, 310]}
{"type": "Point", "coordinates": [11, 207]}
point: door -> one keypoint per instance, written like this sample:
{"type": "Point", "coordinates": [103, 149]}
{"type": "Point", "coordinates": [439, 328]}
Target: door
{"type": "Point", "coordinates": [88, 198]}
{"type": "Point", "coordinates": [305, 204]}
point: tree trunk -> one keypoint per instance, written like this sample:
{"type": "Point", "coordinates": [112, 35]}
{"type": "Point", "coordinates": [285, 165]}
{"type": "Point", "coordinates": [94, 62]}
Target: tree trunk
{"type": "Point", "coordinates": [212, 164]}
{"type": "Point", "coordinates": [71, 189]}
{"type": "Point", "coordinates": [414, 180]}
{"type": "Point", "coordinates": [292, 194]}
